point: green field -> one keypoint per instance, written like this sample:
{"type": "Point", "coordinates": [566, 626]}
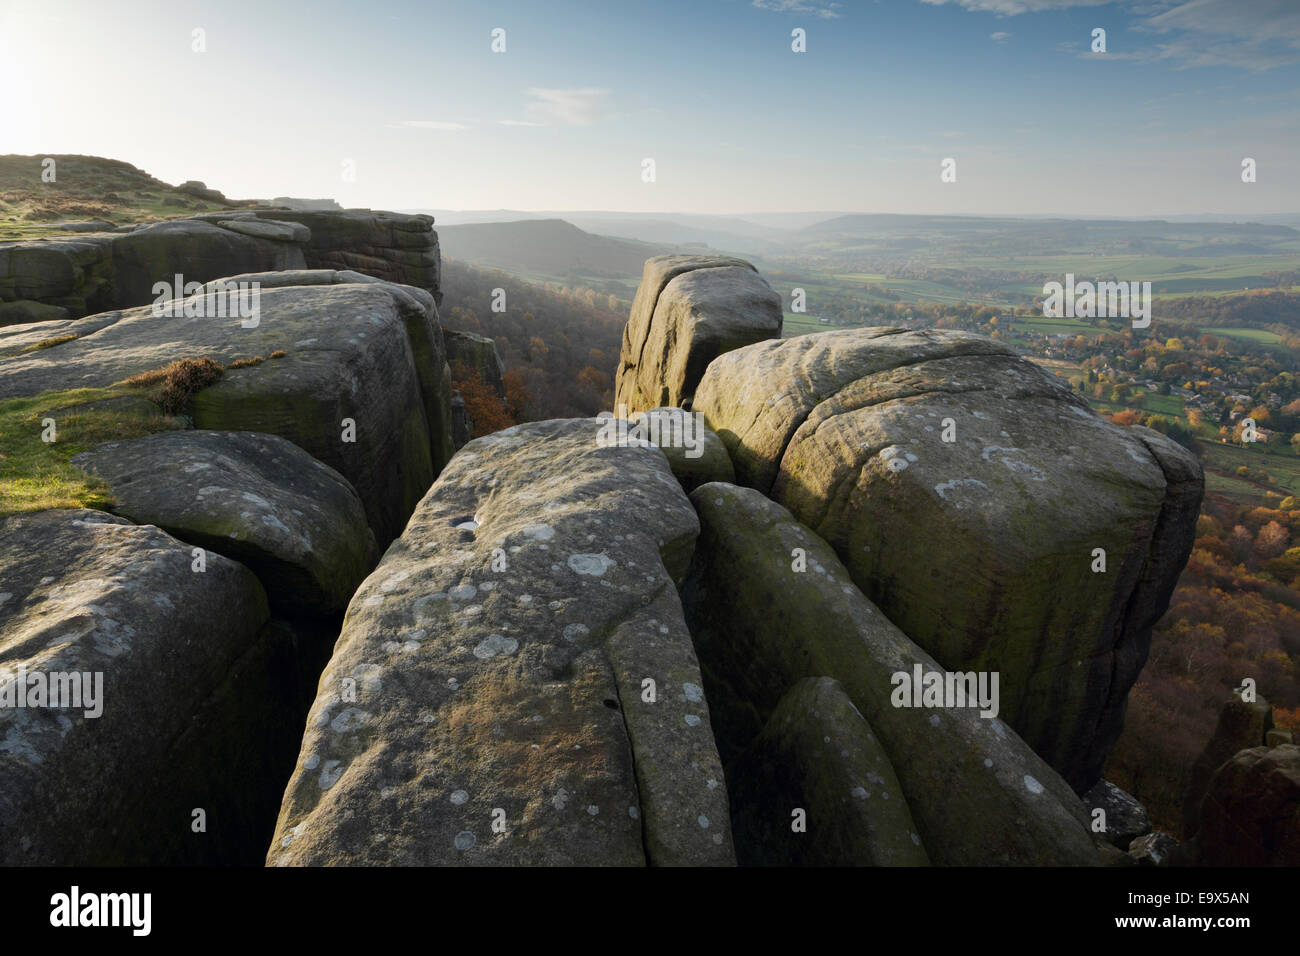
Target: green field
{"type": "Point", "coordinates": [801, 323]}
{"type": "Point", "coordinates": [1170, 276]}
{"type": "Point", "coordinates": [1233, 487]}
{"type": "Point", "coordinates": [1045, 325]}
{"type": "Point", "coordinates": [920, 290]}
{"type": "Point", "coordinates": [1215, 292]}
{"type": "Point", "coordinates": [1222, 461]}
{"type": "Point", "coordinates": [1250, 335]}
{"type": "Point", "coordinates": [1171, 406]}
{"type": "Point", "coordinates": [1231, 271]}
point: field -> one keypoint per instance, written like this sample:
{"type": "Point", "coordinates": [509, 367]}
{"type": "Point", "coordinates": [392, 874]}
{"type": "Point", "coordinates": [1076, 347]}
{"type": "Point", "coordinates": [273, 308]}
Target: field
{"type": "Point", "coordinates": [1249, 335]}
{"type": "Point", "coordinates": [801, 323]}
{"type": "Point", "coordinates": [1171, 406]}
{"type": "Point", "coordinates": [1022, 277]}
{"type": "Point", "coordinates": [1045, 325]}
{"type": "Point", "coordinates": [1222, 461]}
{"type": "Point", "coordinates": [920, 290]}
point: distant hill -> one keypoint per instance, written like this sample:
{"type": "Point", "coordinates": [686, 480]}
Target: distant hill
{"type": "Point", "coordinates": [737, 235]}
{"type": "Point", "coordinates": [876, 224]}
{"type": "Point", "coordinates": [550, 247]}
{"type": "Point", "coordinates": [89, 188]}
{"type": "Point", "coordinates": [678, 232]}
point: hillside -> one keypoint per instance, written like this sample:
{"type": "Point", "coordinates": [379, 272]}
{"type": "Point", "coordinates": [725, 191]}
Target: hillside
{"type": "Point", "coordinates": [871, 224]}
{"type": "Point", "coordinates": [559, 344]}
{"type": "Point", "coordinates": [546, 247]}
{"type": "Point", "coordinates": [87, 188]}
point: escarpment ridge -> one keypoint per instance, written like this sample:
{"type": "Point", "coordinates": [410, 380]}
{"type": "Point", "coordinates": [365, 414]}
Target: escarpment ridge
{"type": "Point", "coordinates": [672, 640]}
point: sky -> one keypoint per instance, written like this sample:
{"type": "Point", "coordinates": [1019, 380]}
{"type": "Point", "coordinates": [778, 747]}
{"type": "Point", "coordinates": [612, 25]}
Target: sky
{"type": "Point", "coordinates": [402, 104]}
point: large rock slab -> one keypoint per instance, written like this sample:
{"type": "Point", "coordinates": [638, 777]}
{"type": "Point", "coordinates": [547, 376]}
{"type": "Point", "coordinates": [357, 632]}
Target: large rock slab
{"type": "Point", "coordinates": [365, 352]}
{"type": "Point", "coordinates": [199, 251]}
{"type": "Point", "coordinates": [1251, 814]}
{"type": "Point", "coordinates": [26, 310]}
{"type": "Point", "coordinates": [695, 454]}
{"type": "Point", "coordinates": [75, 275]}
{"type": "Point", "coordinates": [396, 247]}
{"type": "Point", "coordinates": [493, 668]}
{"type": "Point", "coordinates": [88, 593]}
{"type": "Point", "coordinates": [256, 498]}
{"type": "Point", "coordinates": [850, 430]}
{"type": "Point", "coordinates": [688, 309]}
{"type": "Point", "coordinates": [977, 792]}
{"type": "Point", "coordinates": [423, 331]}
{"type": "Point", "coordinates": [94, 273]}
{"type": "Point", "coordinates": [817, 756]}
{"type": "Point", "coordinates": [479, 353]}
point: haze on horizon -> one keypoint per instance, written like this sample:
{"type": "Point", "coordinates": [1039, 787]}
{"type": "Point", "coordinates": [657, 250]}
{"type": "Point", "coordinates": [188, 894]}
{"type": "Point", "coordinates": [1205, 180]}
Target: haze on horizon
{"type": "Point", "coordinates": [412, 95]}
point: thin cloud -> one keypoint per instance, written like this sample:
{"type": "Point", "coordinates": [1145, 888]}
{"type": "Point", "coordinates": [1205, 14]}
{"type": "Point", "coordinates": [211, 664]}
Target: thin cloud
{"type": "Point", "coordinates": [567, 107]}
{"type": "Point", "coordinates": [518, 123]}
{"type": "Point", "coordinates": [1258, 35]}
{"type": "Point", "coordinates": [1000, 37]}
{"type": "Point", "coordinates": [817, 8]}
{"type": "Point", "coordinates": [1011, 8]}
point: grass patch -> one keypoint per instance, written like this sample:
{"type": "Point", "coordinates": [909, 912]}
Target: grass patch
{"type": "Point", "coordinates": [47, 343]}
{"type": "Point", "coordinates": [36, 474]}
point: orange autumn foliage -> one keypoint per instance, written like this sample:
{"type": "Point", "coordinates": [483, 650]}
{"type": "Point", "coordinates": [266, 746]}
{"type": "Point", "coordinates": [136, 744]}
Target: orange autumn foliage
{"type": "Point", "coordinates": [486, 410]}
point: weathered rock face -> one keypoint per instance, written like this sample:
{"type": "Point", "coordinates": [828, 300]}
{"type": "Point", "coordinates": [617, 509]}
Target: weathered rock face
{"type": "Point", "coordinates": [695, 454]}
{"type": "Point", "coordinates": [479, 353]}
{"type": "Point", "coordinates": [27, 310]}
{"type": "Point", "coordinates": [96, 273]}
{"type": "Point", "coordinates": [423, 331]}
{"type": "Point", "coordinates": [460, 424]}
{"type": "Point", "coordinates": [72, 275]}
{"type": "Point", "coordinates": [1251, 814]}
{"type": "Point", "coordinates": [87, 225]}
{"type": "Point", "coordinates": [818, 757]}
{"type": "Point", "coordinates": [848, 430]}
{"type": "Point", "coordinates": [89, 593]}
{"type": "Point", "coordinates": [978, 794]}
{"type": "Point", "coordinates": [1126, 819]}
{"type": "Point", "coordinates": [496, 660]}
{"type": "Point", "coordinates": [258, 499]}
{"type": "Point", "coordinates": [358, 351]}
{"type": "Point", "coordinates": [1242, 725]}
{"type": "Point", "coordinates": [392, 246]}
{"type": "Point", "coordinates": [687, 311]}
{"type": "Point", "coordinates": [199, 251]}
